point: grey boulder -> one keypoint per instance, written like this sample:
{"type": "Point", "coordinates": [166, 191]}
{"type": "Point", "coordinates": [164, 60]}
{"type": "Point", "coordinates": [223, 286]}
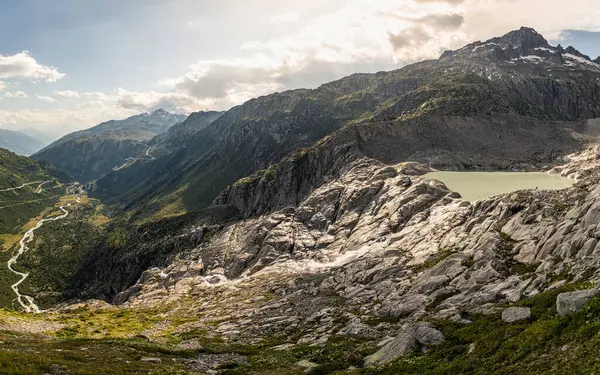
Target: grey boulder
{"type": "Point", "coordinates": [572, 302]}
{"type": "Point", "coordinates": [516, 314]}
{"type": "Point", "coordinates": [411, 337]}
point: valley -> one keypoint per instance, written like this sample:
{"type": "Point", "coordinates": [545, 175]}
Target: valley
{"type": "Point", "coordinates": [352, 229]}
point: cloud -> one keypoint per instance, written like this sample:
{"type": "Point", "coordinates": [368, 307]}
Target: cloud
{"type": "Point", "coordinates": [439, 1]}
{"type": "Point", "coordinates": [355, 38]}
{"type": "Point", "coordinates": [15, 95]}
{"type": "Point", "coordinates": [152, 100]}
{"type": "Point", "coordinates": [285, 18]}
{"type": "Point", "coordinates": [67, 94]}
{"type": "Point", "coordinates": [47, 99]}
{"type": "Point", "coordinates": [91, 104]}
{"type": "Point", "coordinates": [86, 95]}
{"type": "Point", "coordinates": [367, 36]}
{"type": "Point", "coordinates": [425, 31]}
{"type": "Point", "coordinates": [22, 65]}
{"type": "Point", "coordinates": [60, 121]}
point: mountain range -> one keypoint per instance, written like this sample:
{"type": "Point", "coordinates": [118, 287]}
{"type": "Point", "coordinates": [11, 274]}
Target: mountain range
{"type": "Point", "coordinates": [519, 74]}
{"type": "Point", "coordinates": [299, 232]}
{"type": "Point", "coordinates": [20, 142]}
{"type": "Point", "coordinates": [89, 154]}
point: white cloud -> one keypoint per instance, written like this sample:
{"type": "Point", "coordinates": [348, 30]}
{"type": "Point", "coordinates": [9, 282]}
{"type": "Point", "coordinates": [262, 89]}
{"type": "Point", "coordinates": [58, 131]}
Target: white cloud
{"type": "Point", "coordinates": [367, 36]}
{"type": "Point", "coordinates": [152, 100]}
{"type": "Point", "coordinates": [360, 36]}
{"type": "Point", "coordinates": [67, 94]}
{"type": "Point", "coordinates": [86, 95]}
{"type": "Point", "coordinates": [22, 65]}
{"type": "Point", "coordinates": [47, 99]}
{"type": "Point", "coordinates": [96, 104]}
{"type": "Point", "coordinates": [60, 121]}
{"type": "Point", "coordinates": [15, 95]}
{"type": "Point", "coordinates": [285, 18]}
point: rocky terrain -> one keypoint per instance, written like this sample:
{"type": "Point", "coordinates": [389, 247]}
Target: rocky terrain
{"type": "Point", "coordinates": [297, 233]}
{"type": "Point", "coordinates": [383, 256]}
{"type": "Point", "coordinates": [91, 153]}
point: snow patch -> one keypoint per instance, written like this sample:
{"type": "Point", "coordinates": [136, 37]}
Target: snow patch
{"type": "Point", "coordinates": [485, 45]}
{"type": "Point", "coordinates": [580, 60]}
{"type": "Point", "coordinates": [545, 49]}
{"type": "Point", "coordinates": [529, 58]}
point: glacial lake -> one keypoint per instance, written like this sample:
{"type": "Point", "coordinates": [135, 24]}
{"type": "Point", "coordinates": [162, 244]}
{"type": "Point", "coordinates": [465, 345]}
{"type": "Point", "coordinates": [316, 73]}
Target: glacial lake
{"type": "Point", "coordinates": [479, 185]}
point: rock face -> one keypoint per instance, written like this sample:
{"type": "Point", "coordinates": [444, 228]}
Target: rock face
{"type": "Point", "coordinates": [516, 314]}
{"type": "Point", "coordinates": [412, 336]}
{"type": "Point", "coordinates": [374, 234]}
{"type": "Point", "coordinates": [449, 143]}
{"type": "Point", "coordinates": [572, 302]}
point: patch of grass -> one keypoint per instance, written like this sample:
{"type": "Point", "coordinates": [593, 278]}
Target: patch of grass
{"type": "Point", "coordinates": [549, 344]}
{"type": "Point", "coordinates": [433, 260]}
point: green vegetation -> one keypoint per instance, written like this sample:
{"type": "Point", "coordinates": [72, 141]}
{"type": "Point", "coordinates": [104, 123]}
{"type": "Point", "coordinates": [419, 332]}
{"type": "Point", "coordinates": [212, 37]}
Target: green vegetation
{"type": "Point", "coordinates": [433, 260]}
{"type": "Point", "coordinates": [28, 354]}
{"type": "Point", "coordinates": [549, 344]}
{"type": "Point", "coordinates": [56, 252]}
{"type": "Point", "coordinates": [17, 207]}
{"type": "Point", "coordinates": [263, 174]}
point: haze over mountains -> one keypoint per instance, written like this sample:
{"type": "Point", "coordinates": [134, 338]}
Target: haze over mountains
{"type": "Point", "coordinates": [297, 232]}
{"type": "Point", "coordinates": [19, 142]}
{"type": "Point", "coordinates": [91, 153]}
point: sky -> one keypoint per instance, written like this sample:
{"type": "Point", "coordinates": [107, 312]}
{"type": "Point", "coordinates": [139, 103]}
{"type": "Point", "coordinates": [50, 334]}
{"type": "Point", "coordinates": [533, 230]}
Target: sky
{"type": "Point", "coordinates": [70, 64]}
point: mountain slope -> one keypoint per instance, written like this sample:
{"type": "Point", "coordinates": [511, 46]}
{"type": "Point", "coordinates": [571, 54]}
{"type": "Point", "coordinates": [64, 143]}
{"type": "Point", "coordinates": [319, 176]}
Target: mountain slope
{"type": "Point", "coordinates": [22, 195]}
{"type": "Point", "coordinates": [91, 153]}
{"type": "Point", "coordinates": [518, 74]}
{"type": "Point", "coordinates": [19, 143]}
{"type": "Point", "coordinates": [43, 137]}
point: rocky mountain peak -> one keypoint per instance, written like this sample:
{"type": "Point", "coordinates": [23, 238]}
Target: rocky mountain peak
{"type": "Point", "coordinates": [523, 49]}
{"type": "Point", "coordinates": [523, 40]}
{"type": "Point", "coordinates": [597, 61]}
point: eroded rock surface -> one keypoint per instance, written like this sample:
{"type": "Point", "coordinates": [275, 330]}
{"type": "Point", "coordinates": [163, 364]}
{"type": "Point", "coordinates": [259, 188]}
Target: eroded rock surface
{"type": "Point", "coordinates": [378, 244]}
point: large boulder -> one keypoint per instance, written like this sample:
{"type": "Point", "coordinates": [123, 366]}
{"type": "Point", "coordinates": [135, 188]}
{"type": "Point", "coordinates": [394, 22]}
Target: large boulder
{"type": "Point", "coordinates": [411, 337]}
{"type": "Point", "coordinates": [516, 314]}
{"type": "Point", "coordinates": [572, 302]}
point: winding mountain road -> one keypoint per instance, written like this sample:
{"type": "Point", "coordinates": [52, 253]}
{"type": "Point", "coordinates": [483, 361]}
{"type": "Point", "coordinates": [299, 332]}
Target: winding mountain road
{"type": "Point", "coordinates": [27, 184]}
{"type": "Point", "coordinates": [131, 161]}
{"type": "Point", "coordinates": [148, 154]}
{"type": "Point", "coordinates": [27, 302]}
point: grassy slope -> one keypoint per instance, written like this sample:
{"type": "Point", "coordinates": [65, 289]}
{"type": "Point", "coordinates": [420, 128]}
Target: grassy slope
{"type": "Point", "coordinates": [101, 341]}
{"type": "Point", "coordinates": [58, 250]}
{"type": "Point", "coordinates": [17, 207]}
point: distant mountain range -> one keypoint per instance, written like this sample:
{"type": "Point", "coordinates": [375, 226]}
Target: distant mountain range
{"type": "Point", "coordinates": [19, 142]}
{"type": "Point", "coordinates": [91, 153]}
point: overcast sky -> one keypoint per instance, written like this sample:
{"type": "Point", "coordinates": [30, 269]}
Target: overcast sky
{"type": "Point", "coordinates": [70, 64]}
